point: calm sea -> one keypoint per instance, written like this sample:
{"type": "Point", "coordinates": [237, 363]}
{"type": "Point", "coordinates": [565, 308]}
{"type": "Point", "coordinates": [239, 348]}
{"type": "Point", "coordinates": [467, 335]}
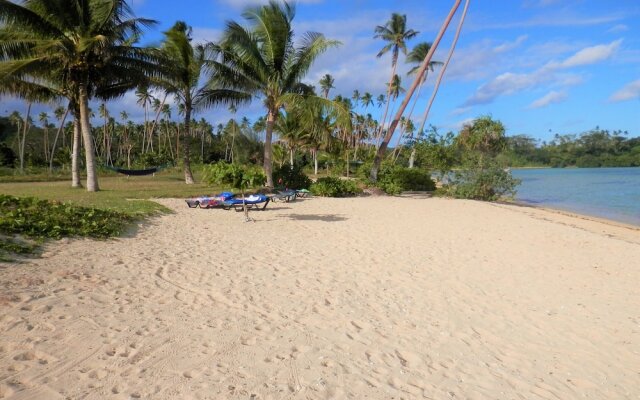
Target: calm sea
{"type": "Point", "coordinates": [612, 193]}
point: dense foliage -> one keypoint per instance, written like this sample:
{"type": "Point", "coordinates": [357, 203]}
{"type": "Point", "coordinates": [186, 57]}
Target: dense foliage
{"type": "Point", "coordinates": [489, 182]}
{"type": "Point", "coordinates": [291, 176]}
{"type": "Point", "coordinates": [591, 149]}
{"type": "Point", "coordinates": [40, 219]}
{"type": "Point", "coordinates": [44, 219]}
{"type": "Point", "coordinates": [335, 187]}
{"type": "Point", "coordinates": [233, 175]}
{"type": "Point", "coordinates": [480, 175]}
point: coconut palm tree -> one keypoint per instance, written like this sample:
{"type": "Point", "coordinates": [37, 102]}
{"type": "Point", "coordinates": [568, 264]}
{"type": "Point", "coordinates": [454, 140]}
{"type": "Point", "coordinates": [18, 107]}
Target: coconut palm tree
{"type": "Point", "coordinates": [263, 60]}
{"type": "Point", "coordinates": [373, 175]}
{"type": "Point", "coordinates": [396, 34]}
{"type": "Point", "coordinates": [186, 64]}
{"type": "Point", "coordinates": [326, 84]}
{"type": "Point", "coordinates": [61, 115]}
{"type": "Point", "coordinates": [355, 97]}
{"type": "Point", "coordinates": [84, 47]}
{"type": "Point", "coordinates": [366, 100]}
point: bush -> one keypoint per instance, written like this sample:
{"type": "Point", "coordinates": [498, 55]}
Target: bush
{"type": "Point", "coordinates": [489, 183]}
{"type": "Point", "coordinates": [7, 156]}
{"type": "Point", "coordinates": [234, 175]}
{"type": "Point", "coordinates": [397, 179]}
{"type": "Point", "coordinates": [335, 187]}
{"type": "Point", "coordinates": [291, 177]}
{"type": "Point", "coordinates": [43, 219]}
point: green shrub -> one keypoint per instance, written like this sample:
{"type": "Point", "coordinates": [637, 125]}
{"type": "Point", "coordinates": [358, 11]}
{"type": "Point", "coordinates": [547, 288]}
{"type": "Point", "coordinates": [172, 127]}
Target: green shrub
{"type": "Point", "coordinates": [44, 219]}
{"type": "Point", "coordinates": [489, 183]}
{"type": "Point", "coordinates": [396, 179]}
{"type": "Point", "coordinates": [233, 175]}
{"type": "Point", "coordinates": [335, 187]}
{"type": "Point", "coordinates": [291, 177]}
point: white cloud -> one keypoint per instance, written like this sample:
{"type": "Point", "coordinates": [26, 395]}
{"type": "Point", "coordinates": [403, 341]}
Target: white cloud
{"type": "Point", "coordinates": [618, 28]}
{"type": "Point", "coordinates": [201, 35]}
{"type": "Point", "coordinates": [509, 83]}
{"type": "Point", "coordinates": [630, 91]}
{"type": "Point", "coordinates": [550, 98]}
{"type": "Point", "coordinates": [592, 55]}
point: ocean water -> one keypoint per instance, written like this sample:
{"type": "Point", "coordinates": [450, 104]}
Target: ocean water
{"type": "Point", "coordinates": [611, 193]}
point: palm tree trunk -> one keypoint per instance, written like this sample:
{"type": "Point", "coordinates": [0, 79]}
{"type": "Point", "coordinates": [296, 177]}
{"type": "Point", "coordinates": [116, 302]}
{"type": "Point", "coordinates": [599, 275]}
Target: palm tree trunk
{"type": "Point", "coordinates": [25, 129]}
{"type": "Point", "coordinates": [186, 146]}
{"type": "Point", "coordinates": [412, 157]}
{"type": "Point", "coordinates": [386, 107]}
{"type": "Point", "coordinates": [268, 151]}
{"type": "Point", "coordinates": [89, 153]}
{"type": "Point", "coordinates": [315, 161]}
{"type": "Point", "coordinates": [444, 67]}
{"type": "Point", "coordinates": [75, 153]}
{"type": "Point", "coordinates": [425, 64]}
{"type": "Point", "coordinates": [55, 140]}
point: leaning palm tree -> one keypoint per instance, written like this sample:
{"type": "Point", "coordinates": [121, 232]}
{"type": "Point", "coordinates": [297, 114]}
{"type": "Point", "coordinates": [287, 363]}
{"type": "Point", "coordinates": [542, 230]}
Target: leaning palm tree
{"type": "Point", "coordinates": [396, 34]}
{"type": "Point", "coordinates": [326, 84]}
{"type": "Point", "coordinates": [263, 60]}
{"type": "Point", "coordinates": [186, 63]}
{"type": "Point", "coordinates": [83, 47]}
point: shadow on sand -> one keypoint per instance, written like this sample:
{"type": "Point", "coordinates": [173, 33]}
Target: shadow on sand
{"type": "Point", "coordinates": [316, 217]}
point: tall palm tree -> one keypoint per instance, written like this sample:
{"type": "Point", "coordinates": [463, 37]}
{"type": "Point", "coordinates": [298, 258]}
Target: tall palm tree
{"type": "Point", "coordinates": [355, 97]}
{"type": "Point", "coordinates": [186, 64]}
{"type": "Point", "coordinates": [416, 57]}
{"type": "Point", "coordinates": [61, 115]}
{"type": "Point", "coordinates": [396, 34]}
{"type": "Point", "coordinates": [85, 47]}
{"type": "Point", "coordinates": [366, 100]}
{"type": "Point", "coordinates": [326, 84]}
{"type": "Point", "coordinates": [373, 175]}
{"type": "Point", "coordinates": [263, 60]}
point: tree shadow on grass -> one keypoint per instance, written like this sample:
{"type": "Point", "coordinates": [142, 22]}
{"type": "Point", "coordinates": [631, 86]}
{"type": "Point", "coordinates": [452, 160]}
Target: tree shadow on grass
{"type": "Point", "coordinates": [316, 217]}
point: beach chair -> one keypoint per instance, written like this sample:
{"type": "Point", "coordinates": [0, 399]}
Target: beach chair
{"type": "Point", "coordinates": [253, 202]}
{"type": "Point", "coordinates": [209, 201]}
{"type": "Point", "coordinates": [303, 193]}
{"type": "Point", "coordinates": [284, 195]}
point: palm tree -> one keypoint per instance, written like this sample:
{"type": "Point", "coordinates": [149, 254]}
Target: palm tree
{"type": "Point", "coordinates": [186, 63]}
{"type": "Point", "coordinates": [380, 100]}
{"type": "Point", "coordinates": [373, 175]}
{"type": "Point", "coordinates": [396, 34]}
{"type": "Point", "coordinates": [61, 115]}
{"type": "Point", "coordinates": [355, 97]}
{"type": "Point", "coordinates": [366, 100]}
{"type": "Point", "coordinates": [84, 47]}
{"type": "Point", "coordinates": [326, 84]}
{"type": "Point", "coordinates": [416, 57]}
{"type": "Point", "coordinates": [264, 60]}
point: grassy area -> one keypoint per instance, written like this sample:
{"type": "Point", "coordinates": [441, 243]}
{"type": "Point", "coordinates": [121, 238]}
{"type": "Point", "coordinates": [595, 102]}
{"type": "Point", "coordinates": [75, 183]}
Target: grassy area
{"type": "Point", "coordinates": [118, 193]}
{"type": "Point", "coordinates": [25, 222]}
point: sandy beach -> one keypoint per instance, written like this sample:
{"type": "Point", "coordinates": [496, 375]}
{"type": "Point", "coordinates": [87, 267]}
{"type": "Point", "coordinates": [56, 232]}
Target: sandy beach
{"type": "Point", "coordinates": [378, 297]}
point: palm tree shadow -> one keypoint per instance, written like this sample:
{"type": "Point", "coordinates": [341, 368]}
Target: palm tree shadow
{"type": "Point", "coordinates": [316, 217]}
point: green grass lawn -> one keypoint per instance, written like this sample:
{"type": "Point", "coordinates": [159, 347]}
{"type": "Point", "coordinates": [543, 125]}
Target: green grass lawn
{"type": "Point", "coordinates": [26, 223]}
{"type": "Point", "coordinates": [130, 195]}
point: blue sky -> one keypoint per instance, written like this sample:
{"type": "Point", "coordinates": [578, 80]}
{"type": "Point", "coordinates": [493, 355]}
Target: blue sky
{"type": "Point", "coordinates": [540, 66]}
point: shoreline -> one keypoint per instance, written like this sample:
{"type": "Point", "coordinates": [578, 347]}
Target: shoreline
{"type": "Point", "coordinates": [375, 297]}
{"type": "Point", "coordinates": [574, 214]}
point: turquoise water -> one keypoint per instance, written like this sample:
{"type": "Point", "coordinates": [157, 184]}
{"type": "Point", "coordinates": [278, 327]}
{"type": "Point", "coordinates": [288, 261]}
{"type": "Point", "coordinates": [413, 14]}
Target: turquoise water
{"type": "Point", "coordinates": [612, 193]}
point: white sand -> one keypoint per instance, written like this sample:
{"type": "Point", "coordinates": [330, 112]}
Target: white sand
{"type": "Point", "coordinates": [380, 298]}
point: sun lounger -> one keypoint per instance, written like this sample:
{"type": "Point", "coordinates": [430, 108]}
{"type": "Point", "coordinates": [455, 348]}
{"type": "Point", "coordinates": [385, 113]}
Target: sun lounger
{"type": "Point", "coordinates": [284, 195]}
{"type": "Point", "coordinates": [303, 193]}
{"type": "Point", "coordinates": [253, 202]}
{"type": "Point", "coordinates": [209, 201]}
